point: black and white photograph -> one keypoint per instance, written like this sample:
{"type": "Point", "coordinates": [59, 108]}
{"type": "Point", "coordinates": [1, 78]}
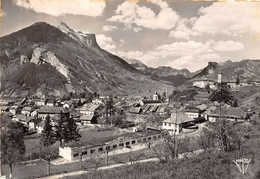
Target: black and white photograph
{"type": "Point", "coordinates": [130, 89]}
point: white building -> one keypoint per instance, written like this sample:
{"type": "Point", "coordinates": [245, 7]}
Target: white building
{"type": "Point", "coordinates": [192, 112]}
{"type": "Point", "coordinates": [26, 110]}
{"type": "Point", "coordinates": [88, 109]}
{"type": "Point", "coordinates": [231, 114]}
{"type": "Point", "coordinates": [203, 83]}
{"type": "Point", "coordinates": [176, 123]}
{"type": "Point", "coordinates": [97, 147]}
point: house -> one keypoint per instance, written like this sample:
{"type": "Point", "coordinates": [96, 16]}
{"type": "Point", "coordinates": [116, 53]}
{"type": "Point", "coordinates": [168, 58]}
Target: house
{"type": "Point", "coordinates": [103, 97]}
{"type": "Point", "coordinates": [34, 113]}
{"type": "Point", "coordinates": [4, 102]}
{"type": "Point", "coordinates": [33, 122]}
{"type": "Point", "coordinates": [202, 83]}
{"type": "Point", "coordinates": [202, 107]}
{"type": "Point", "coordinates": [50, 102]}
{"type": "Point", "coordinates": [151, 101]}
{"type": "Point", "coordinates": [40, 102]}
{"type": "Point", "coordinates": [232, 84]}
{"type": "Point", "coordinates": [5, 108]}
{"type": "Point", "coordinates": [135, 110]}
{"type": "Point", "coordinates": [176, 123]}
{"type": "Point", "coordinates": [161, 110]}
{"type": "Point", "coordinates": [97, 101]}
{"type": "Point", "coordinates": [83, 149]}
{"type": "Point", "coordinates": [26, 110]}
{"type": "Point", "coordinates": [67, 104]}
{"type": "Point", "coordinates": [208, 111]}
{"type": "Point", "coordinates": [191, 111]}
{"type": "Point", "coordinates": [13, 109]}
{"type": "Point", "coordinates": [44, 111]}
{"type": "Point", "coordinates": [231, 114]}
{"type": "Point", "coordinates": [39, 127]}
{"type": "Point", "coordinates": [21, 118]}
{"type": "Point", "coordinates": [244, 84]}
{"type": "Point", "coordinates": [88, 119]}
{"type": "Point", "coordinates": [89, 108]}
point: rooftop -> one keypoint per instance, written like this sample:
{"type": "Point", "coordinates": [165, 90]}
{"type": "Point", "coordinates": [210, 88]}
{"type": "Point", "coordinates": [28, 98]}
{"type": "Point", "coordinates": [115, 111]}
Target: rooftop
{"type": "Point", "coordinates": [50, 110]}
{"type": "Point", "coordinates": [89, 107]}
{"type": "Point", "coordinates": [181, 118]}
{"type": "Point", "coordinates": [105, 140]}
{"type": "Point", "coordinates": [27, 108]}
{"type": "Point", "coordinates": [151, 101]}
{"type": "Point", "coordinates": [191, 109]}
{"type": "Point", "coordinates": [230, 112]}
{"type": "Point", "coordinates": [87, 117]}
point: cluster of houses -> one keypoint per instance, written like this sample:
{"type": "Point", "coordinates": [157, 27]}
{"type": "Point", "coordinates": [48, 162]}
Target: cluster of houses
{"type": "Point", "coordinates": [179, 121]}
{"type": "Point", "coordinates": [149, 107]}
{"type": "Point", "coordinates": [33, 112]}
{"type": "Point", "coordinates": [204, 82]}
{"type": "Point", "coordinates": [186, 117]}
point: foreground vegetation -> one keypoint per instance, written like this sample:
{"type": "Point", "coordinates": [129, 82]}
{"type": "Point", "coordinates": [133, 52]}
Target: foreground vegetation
{"type": "Point", "coordinates": [212, 164]}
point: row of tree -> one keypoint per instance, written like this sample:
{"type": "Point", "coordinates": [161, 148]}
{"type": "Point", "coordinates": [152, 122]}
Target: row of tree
{"type": "Point", "coordinates": [12, 142]}
{"type": "Point", "coordinates": [64, 129]}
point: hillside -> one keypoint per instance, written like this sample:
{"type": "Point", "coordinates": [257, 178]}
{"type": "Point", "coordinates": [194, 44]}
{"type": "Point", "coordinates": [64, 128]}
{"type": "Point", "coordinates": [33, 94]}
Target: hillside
{"type": "Point", "coordinates": [166, 73]}
{"type": "Point", "coordinates": [159, 71]}
{"type": "Point", "coordinates": [54, 61]}
{"type": "Point", "coordinates": [246, 70]}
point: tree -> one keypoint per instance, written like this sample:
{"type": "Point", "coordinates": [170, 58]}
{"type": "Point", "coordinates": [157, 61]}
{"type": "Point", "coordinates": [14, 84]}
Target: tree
{"type": "Point", "coordinates": [168, 149]}
{"type": "Point", "coordinates": [71, 130]}
{"type": "Point", "coordinates": [48, 134]}
{"type": "Point", "coordinates": [223, 134]}
{"type": "Point", "coordinates": [237, 81]}
{"type": "Point", "coordinates": [60, 128]}
{"type": "Point", "coordinates": [47, 139]}
{"type": "Point", "coordinates": [66, 129]}
{"type": "Point", "coordinates": [82, 94]}
{"type": "Point", "coordinates": [207, 88]}
{"type": "Point", "coordinates": [12, 144]}
{"type": "Point", "coordinates": [235, 103]}
{"type": "Point", "coordinates": [222, 95]}
{"type": "Point", "coordinates": [109, 107]}
{"type": "Point", "coordinates": [79, 104]}
{"type": "Point", "coordinates": [116, 119]}
{"type": "Point", "coordinates": [164, 94]}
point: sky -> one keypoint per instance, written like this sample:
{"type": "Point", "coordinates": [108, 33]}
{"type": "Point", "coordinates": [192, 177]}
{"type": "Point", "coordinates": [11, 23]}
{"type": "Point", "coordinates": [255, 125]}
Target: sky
{"type": "Point", "coordinates": [175, 33]}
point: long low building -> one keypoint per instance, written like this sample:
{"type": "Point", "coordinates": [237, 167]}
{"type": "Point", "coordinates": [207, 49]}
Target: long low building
{"type": "Point", "coordinates": [85, 149]}
{"type": "Point", "coordinates": [231, 114]}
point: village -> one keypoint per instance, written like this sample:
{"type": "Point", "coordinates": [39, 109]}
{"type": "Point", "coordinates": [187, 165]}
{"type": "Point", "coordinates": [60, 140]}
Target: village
{"type": "Point", "coordinates": [130, 122]}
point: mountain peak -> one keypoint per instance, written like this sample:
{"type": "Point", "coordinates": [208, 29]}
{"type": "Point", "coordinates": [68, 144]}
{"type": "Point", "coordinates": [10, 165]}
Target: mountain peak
{"type": "Point", "coordinates": [64, 27]}
{"type": "Point", "coordinates": [84, 38]}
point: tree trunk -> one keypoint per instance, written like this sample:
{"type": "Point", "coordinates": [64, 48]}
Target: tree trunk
{"type": "Point", "coordinates": [60, 142]}
{"type": "Point", "coordinates": [48, 168]}
{"type": "Point", "coordinates": [107, 158]}
{"type": "Point", "coordinates": [11, 171]}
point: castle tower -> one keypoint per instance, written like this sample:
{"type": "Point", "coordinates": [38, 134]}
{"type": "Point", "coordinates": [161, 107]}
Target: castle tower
{"type": "Point", "coordinates": [155, 96]}
{"type": "Point", "coordinates": [219, 77]}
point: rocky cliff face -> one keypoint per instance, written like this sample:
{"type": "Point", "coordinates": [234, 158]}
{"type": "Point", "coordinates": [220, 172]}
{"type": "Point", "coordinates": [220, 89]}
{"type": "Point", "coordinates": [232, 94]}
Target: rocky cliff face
{"type": "Point", "coordinates": [41, 56]}
{"type": "Point", "coordinates": [84, 38]}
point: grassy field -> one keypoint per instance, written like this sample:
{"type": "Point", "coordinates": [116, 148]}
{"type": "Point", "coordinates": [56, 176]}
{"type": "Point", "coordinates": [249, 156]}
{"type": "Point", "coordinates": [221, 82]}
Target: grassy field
{"type": "Point", "coordinates": [32, 142]}
{"type": "Point", "coordinates": [247, 97]}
